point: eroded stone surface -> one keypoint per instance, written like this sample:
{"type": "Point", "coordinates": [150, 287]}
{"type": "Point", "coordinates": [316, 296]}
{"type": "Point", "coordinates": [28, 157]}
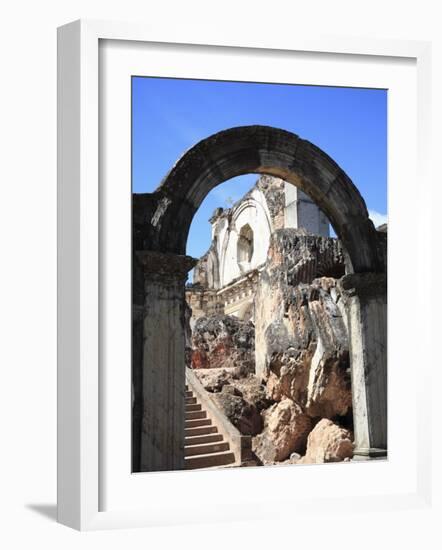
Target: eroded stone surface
{"type": "Point", "coordinates": [253, 391]}
{"type": "Point", "coordinates": [213, 380]}
{"type": "Point", "coordinates": [302, 348]}
{"type": "Point", "coordinates": [247, 386]}
{"type": "Point", "coordinates": [221, 341]}
{"type": "Point", "coordinates": [328, 442]}
{"type": "Point", "coordinates": [242, 414]}
{"type": "Point", "coordinates": [286, 428]}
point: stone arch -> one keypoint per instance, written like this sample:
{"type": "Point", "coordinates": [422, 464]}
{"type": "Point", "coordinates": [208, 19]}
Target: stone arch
{"type": "Point", "coordinates": [262, 150]}
{"type": "Point", "coordinates": [161, 224]}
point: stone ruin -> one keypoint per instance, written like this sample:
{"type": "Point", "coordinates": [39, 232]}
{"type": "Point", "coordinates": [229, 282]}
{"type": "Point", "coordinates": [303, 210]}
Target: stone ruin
{"type": "Point", "coordinates": [283, 376]}
{"type": "Point", "coordinates": [226, 276]}
{"type": "Point", "coordinates": [161, 320]}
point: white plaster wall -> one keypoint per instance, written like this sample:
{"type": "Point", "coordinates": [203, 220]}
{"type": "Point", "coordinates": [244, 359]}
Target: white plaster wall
{"type": "Point", "coordinates": [301, 211]}
{"type": "Point", "coordinates": [291, 211]}
{"type": "Point", "coordinates": [219, 230]}
{"type": "Point", "coordinates": [255, 213]}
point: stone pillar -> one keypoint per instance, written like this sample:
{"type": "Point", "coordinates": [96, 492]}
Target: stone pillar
{"type": "Point", "coordinates": [366, 304]}
{"type": "Point", "coordinates": [163, 361]}
{"type": "Point", "coordinates": [137, 359]}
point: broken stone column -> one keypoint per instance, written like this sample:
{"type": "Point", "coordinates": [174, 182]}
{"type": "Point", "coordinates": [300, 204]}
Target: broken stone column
{"type": "Point", "coordinates": [365, 296]}
{"type": "Point", "coordinates": [163, 361]}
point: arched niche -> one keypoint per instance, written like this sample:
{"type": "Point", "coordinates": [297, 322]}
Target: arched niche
{"type": "Point", "coordinates": [244, 247]}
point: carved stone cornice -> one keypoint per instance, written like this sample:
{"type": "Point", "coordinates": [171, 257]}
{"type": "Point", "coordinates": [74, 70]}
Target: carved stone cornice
{"type": "Point", "coordinates": [165, 266]}
{"type": "Point", "coordinates": [368, 285]}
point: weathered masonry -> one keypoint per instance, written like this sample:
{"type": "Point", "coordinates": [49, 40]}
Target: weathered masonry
{"type": "Point", "coordinates": [161, 224]}
{"type": "Point", "coordinates": [225, 278]}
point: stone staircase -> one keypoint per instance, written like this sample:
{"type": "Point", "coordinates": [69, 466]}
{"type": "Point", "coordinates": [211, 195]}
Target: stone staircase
{"type": "Point", "coordinates": [204, 446]}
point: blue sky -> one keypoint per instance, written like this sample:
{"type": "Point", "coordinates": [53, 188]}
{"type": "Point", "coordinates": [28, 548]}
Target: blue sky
{"type": "Point", "coordinates": [170, 115]}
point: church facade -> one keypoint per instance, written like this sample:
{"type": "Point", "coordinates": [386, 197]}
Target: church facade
{"type": "Point", "coordinates": [226, 277]}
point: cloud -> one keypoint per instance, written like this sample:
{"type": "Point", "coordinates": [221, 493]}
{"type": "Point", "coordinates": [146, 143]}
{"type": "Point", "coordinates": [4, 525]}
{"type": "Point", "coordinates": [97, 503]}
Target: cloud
{"type": "Point", "coordinates": [377, 218]}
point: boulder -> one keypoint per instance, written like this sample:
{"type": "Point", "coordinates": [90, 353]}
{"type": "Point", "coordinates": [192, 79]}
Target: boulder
{"type": "Point", "coordinates": [328, 442]}
{"type": "Point", "coordinates": [243, 415]}
{"type": "Point", "coordinates": [213, 380]}
{"type": "Point", "coordinates": [253, 391]}
{"type": "Point", "coordinates": [286, 428]}
{"type": "Point", "coordinates": [223, 341]}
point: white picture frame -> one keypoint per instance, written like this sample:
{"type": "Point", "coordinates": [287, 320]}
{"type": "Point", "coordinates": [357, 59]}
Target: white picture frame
{"type": "Point", "coordinates": [80, 397]}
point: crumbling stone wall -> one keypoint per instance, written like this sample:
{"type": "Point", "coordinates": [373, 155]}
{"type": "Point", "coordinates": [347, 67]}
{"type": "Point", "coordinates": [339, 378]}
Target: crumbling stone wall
{"type": "Point", "coordinates": [302, 347]}
{"type": "Point", "coordinates": [273, 190]}
{"type": "Point", "coordinates": [293, 258]}
{"type": "Point", "coordinates": [261, 210]}
{"type": "Point", "coordinates": [223, 341]}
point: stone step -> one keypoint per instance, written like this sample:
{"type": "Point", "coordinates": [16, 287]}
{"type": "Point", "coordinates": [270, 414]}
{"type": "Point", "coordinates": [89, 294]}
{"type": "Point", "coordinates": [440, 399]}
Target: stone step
{"type": "Point", "coordinates": [198, 439]}
{"type": "Point", "coordinates": [190, 400]}
{"type": "Point", "coordinates": [194, 415]}
{"type": "Point", "coordinates": [203, 430]}
{"type": "Point", "coordinates": [188, 394]}
{"type": "Point", "coordinates": [208, 460]}
{"type": "Point", "coordinates": [190, 407]}
{"type": "Point", "coordinates": [205, 448]}
{"type": "Point", "coordinates": [200, 422]}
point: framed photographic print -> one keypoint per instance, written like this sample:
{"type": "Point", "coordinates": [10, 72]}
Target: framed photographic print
{"type": "Point", "coordinates": [225, 322]}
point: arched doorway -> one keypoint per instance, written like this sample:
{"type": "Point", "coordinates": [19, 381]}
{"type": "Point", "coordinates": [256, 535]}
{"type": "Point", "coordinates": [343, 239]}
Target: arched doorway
{"type": "Point", "coordinates": [162, 220]}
